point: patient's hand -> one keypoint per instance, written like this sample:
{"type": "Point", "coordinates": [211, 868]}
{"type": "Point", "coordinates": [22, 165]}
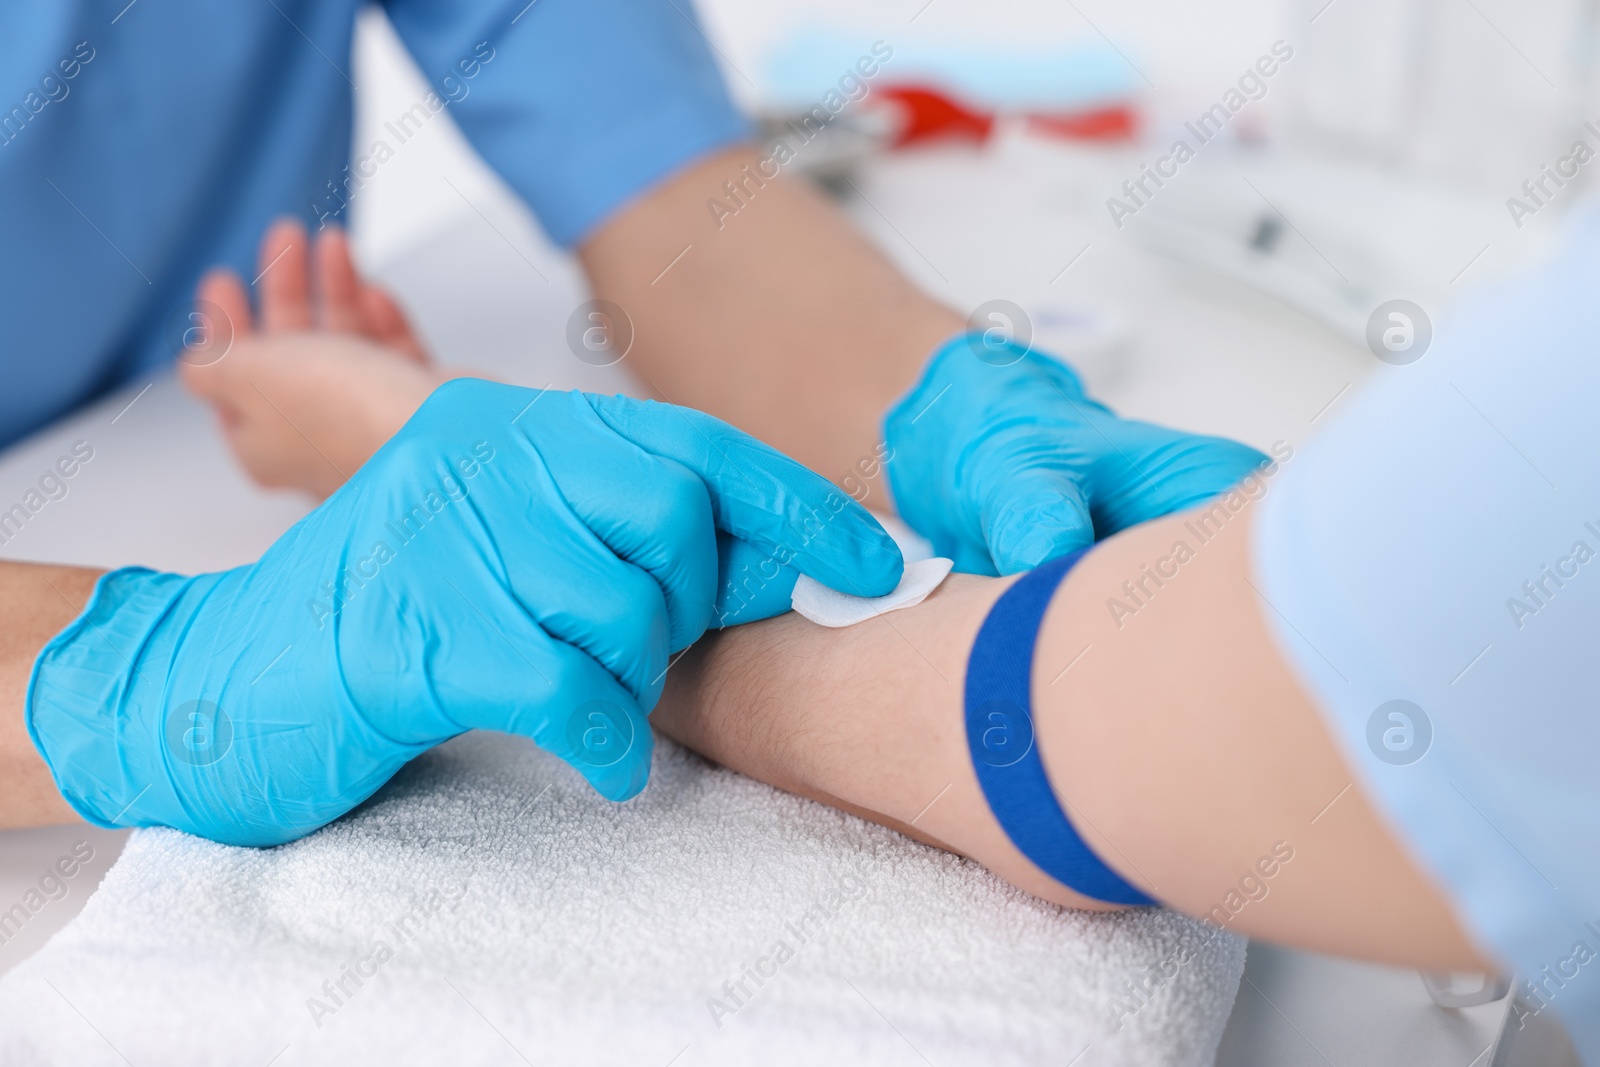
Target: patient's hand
{"type": "Point", "coordinates": [328, 374]}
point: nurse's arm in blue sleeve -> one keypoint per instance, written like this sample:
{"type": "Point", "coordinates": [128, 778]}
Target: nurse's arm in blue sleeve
{"type": "Point", "coordinates": [1185, 752]}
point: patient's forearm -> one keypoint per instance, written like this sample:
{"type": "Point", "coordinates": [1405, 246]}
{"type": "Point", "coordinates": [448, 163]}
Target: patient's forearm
{"type": "Point", "coordinates": [866, 718]}
{"type": "Point", "coordinates": [1183, 749]}
{"type": "Point", "coordinates": [40, 602]}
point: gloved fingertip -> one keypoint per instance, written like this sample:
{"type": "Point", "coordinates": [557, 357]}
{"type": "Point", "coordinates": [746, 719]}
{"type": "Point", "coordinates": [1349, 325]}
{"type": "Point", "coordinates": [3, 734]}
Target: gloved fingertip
{"type": "Point", "coordinates": [855, 555]}
{"type": "Point", "coordinates": [882, 564]}
{"type": "Point", "coordinates": [625, 778]}
{"type": "Point", "coordinates": [620, 787]}
{"type": "Point", "coordinates": [609, 743]}
{"type": "Point", "coordinates": [1039, 521]}
{"type": "Point", "coordinates": [752, 598]}
{"type": "Point", "coordinates": [751, 583]}
{"type": "Point", "coordinates": [969, 558]}
{"type": "Point", "coordinates": [1190, 472]}
{"type": "Point", "coordinates": [1022, 547]}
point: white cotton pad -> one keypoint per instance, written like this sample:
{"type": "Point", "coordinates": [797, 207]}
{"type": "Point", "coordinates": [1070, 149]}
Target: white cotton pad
{"type": "Point", "coordinates": [829, 607]}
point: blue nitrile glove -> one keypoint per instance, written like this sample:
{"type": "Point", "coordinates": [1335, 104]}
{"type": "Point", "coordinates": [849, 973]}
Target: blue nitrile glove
{"type": "Point", "coordinates": [1002, 461]}
{"type": "Point", "coordinates": [510, 560]}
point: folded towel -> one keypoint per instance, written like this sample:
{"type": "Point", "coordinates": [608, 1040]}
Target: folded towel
{"type": "Point", "coordinates": [487, 908]}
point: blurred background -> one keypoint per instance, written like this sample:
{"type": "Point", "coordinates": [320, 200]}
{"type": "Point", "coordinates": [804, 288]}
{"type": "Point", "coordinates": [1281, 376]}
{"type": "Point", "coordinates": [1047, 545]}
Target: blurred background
{"type": "Point", "coordinates": [1342, 154]}
{"type": "Point", "coordinates": [1376, 162]}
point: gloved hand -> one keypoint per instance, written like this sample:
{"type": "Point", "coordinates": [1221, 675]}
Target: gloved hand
{"type": "Point", "coordinates": [1002, 461]}
{"type": "Point", "coordinates": [510, 560]}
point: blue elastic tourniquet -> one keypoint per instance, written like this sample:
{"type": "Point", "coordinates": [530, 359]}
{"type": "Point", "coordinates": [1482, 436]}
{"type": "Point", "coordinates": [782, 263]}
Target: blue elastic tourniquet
{"type": "Point", "coordinates": [999, 709]}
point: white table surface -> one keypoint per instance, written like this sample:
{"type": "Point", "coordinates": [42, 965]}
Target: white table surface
{"type": "Point", "coordinates": [487, 291]}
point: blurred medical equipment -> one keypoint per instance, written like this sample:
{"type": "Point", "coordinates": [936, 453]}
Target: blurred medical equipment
{"type": "Point", "coordinates": [1332, 239]}
{"type": "Point", "coordinates": [844, 98]}
{"type": "Point", "coordinates": [1409, 148]}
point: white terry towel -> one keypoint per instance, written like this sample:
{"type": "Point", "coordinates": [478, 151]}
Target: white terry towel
{"type": "Point", "coordinates": [496, 911]}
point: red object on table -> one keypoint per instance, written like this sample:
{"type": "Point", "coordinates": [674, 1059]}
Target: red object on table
{"type": "Point", "coordinates": [1115, 123]}
{"type": "Point", "coordinates": [928, 114]}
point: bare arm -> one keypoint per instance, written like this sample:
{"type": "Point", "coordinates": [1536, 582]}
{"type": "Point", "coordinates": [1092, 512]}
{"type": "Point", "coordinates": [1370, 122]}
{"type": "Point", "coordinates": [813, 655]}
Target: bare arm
{"type": "Point", "coordinates": [782, 319]}
{"type": "Point", "coordinates": [1181, 745]}
{"type": "Point", "coordinates": [40, 601]}
{"type": "Point", "coordinates": [1180, 741]}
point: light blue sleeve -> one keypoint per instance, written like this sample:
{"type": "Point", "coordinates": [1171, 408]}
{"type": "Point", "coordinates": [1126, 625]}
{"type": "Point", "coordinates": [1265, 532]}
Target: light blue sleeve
{"type": "Point", "coordinates": [1439, 544]}
{"type": "Point", "coordinates": [580, 105]}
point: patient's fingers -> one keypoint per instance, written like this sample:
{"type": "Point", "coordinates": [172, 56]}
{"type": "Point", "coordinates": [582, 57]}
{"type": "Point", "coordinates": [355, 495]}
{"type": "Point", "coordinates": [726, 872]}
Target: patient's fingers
{"type": "Point", "coordinates": [387, 324]}
{"type": "Point", "coordinates": [281, 278]}
{"type": "Point", "coordinates": [220, 319]}
{"type": "Point", "coordinates": [346, 302]}
{"type": "Point", "coordinates": [342, 302]}
{"type": "Point", "coordinates": [225, 290]}
{"type": "Point", "coordinates": [338, 300]}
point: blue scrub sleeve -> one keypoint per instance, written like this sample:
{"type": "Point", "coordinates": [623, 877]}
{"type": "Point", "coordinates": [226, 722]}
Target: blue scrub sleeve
{"type": "Point", "coordinates": [580, 105]}
{"type": "Point", "coordinates": [1432, 561]}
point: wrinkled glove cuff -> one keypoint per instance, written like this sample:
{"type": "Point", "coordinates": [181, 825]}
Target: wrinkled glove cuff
{"type": "Point", "coordinates": [89, 707]}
